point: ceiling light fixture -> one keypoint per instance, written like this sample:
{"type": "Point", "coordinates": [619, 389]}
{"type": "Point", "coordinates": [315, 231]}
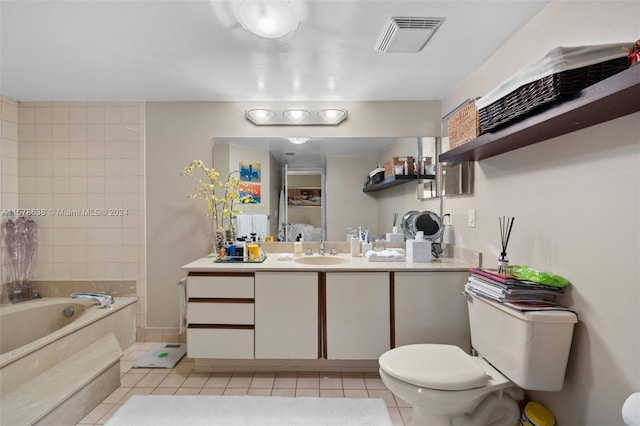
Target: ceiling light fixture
{"type": "Point", "coordinates": [332, 116]}
{"type": "Point", "coordinates": [296, 117]}
{"type": "Point", "coordinates": [260, 116]}
{"type": "Point", "coordinates": [298, 140]}
{"type": "Point", "coordinates": [267, 18]}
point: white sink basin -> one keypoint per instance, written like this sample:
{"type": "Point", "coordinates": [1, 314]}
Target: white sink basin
{"type": "Point", "coordinates": [321, 260]}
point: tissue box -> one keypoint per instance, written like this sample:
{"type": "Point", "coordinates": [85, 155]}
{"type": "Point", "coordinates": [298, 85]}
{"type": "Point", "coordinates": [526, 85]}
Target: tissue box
{"type": "Point", "coordinates": [394, 237]}
{"type": "Point", "coordinates": [419, 250]}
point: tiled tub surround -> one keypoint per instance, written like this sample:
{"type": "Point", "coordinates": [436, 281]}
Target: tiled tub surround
{"type": "Point", "coordinates": [84, 155]}
{"type": "Point", "coordinates": [68, 371]}
{"type": "Point", "coordinates": [8, 167]}
{"type": "Point", "coordinates": [65, 288]}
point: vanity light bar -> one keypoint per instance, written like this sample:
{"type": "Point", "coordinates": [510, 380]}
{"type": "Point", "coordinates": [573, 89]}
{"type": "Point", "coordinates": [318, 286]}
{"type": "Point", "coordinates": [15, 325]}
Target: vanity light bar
{"type": "Point", "coordinates": [296, 117]}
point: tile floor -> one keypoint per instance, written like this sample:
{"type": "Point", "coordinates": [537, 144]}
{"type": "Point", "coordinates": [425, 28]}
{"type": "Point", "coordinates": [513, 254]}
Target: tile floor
{"type": "Point", "coordinates": [182, 380]}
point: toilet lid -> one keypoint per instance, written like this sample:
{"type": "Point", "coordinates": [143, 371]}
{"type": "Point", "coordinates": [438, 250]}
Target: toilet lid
{"type": "Point", "coordinates": [441, 367]}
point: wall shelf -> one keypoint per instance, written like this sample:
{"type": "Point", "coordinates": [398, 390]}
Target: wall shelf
{"type": "Point", "coordinates": [395, 181]}
{"type": "Point", "coordinates": [614, 97]}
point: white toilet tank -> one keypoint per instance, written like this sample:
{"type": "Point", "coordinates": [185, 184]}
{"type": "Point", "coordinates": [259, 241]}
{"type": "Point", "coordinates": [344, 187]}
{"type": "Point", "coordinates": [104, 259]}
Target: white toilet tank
{"type": "Point", "coordinates": [530, 348]}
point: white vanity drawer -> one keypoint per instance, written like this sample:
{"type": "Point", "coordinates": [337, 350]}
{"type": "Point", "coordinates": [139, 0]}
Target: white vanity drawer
{"type": "Point", "coordinates": [232, 286]}
{"type": "Point", "coordinates": [220, 313]}
{"type": "Point", "coordinates": [219, 343]}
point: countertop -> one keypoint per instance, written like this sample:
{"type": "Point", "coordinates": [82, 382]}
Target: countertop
{"type": "Point", "coordinates": [353, 264]}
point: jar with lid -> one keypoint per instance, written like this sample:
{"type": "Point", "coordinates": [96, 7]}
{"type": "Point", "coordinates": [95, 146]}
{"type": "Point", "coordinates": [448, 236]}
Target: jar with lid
{"type": "Point", "coordinates": [536, 414]}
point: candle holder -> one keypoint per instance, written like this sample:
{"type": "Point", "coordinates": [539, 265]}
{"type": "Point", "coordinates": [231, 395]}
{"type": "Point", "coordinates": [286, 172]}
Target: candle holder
{"type": "Point", "coordinates": [503, 263]}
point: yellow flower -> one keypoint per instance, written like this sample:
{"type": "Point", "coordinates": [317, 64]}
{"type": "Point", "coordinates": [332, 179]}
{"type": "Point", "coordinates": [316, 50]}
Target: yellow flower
{"type": "Point", "coordinates": [221, 208]}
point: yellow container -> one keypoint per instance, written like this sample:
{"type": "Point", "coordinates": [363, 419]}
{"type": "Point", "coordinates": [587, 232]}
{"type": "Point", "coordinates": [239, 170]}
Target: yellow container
{"type": "Point", "coordinates": [535, 414]}
{"type": "Point", "coordinates": [254, 251]}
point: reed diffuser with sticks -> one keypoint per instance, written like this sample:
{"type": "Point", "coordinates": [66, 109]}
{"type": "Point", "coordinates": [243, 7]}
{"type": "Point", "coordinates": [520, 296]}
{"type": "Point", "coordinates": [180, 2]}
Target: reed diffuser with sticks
{"type": "Point", "coordinates": [506, 224]}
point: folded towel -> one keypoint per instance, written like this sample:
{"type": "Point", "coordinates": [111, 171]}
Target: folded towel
{"type": "Point", "coordinates": [385, 256]}
{"type": "Point", "coordinates": [260, 224]}
{"type": "Point", "coordinates": [245, 225]}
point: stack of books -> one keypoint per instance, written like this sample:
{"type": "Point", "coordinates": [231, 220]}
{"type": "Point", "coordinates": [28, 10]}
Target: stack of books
{"type": "Point", "coordinates": [514, 292]}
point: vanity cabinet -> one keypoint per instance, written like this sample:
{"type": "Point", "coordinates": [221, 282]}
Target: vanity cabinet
{"type": "Point", "coordinates": [429, 307]}
{"type": "Point", "coordinates": [357, 315]}
{"type": "Point", "coordinates": [220, 315]}
{"type": "Point", "coordinates": [286, 315]}
{"type": "Point", "coordinates": [290, 317]}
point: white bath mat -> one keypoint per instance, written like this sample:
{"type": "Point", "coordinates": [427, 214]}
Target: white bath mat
{"type": "Point", "coordinates": [164, 355]}
{"type": "Point", "coordinates": [166, 410]}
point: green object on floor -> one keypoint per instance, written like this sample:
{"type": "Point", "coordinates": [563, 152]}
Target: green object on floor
{"type": "Point", "coordinates": [163, 355]}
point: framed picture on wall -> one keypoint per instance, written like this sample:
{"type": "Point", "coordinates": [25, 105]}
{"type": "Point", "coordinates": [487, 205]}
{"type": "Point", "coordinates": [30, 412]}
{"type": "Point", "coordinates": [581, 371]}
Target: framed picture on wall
{"type": "Point", "coordinates": [250, 172]}
{"type": "Point", "coordinates": [304, 196]}
{"type": "Point", "coordinates": [251, 189]}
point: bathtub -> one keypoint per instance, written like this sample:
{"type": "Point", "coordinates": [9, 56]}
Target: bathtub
{"type": "Point", "coordinates": [35, 336]}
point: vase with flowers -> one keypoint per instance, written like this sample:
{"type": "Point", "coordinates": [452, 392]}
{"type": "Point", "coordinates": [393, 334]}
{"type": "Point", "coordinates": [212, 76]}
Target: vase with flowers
{"type": "Point", "coordinates": [222, 197]}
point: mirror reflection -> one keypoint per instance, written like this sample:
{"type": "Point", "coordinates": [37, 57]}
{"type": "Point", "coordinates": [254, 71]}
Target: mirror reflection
{"type": "Point", "coordinates": [455, 178]}
{"type": "Point", "coordinates": [314, 189]}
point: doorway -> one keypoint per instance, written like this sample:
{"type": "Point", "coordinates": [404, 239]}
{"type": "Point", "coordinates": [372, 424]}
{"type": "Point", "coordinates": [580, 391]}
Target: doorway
{"type": "Point", "coordinates": [303, 204]}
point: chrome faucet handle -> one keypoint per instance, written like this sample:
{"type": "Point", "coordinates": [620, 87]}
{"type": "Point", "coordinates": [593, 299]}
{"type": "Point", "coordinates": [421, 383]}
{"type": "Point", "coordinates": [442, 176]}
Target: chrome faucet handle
{"type": "Point", "coordinates": [105, 299]}
{"type": "Point", "coordinates": [308, 252]}
{"type": "Point", "coordinates": [333, 252]}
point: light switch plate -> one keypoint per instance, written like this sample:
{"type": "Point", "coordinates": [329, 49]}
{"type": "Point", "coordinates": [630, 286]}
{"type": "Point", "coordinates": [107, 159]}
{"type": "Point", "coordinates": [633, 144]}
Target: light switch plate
{"type": "Point", "coordinates": [471, 218]}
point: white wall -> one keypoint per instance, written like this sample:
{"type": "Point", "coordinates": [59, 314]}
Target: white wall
{"type": "Point", "coordinates": [577, 208]}
{"type": "Point", "coordinates": [347, 205]}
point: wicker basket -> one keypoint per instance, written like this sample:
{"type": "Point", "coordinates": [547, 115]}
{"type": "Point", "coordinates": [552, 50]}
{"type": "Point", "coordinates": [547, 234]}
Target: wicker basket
{"type": "Point", "coordinates": [546, 91]}
{"type": "Point", "coordinates": [464, 125]}
{"type": "Point", "coordinates": [390, 166]}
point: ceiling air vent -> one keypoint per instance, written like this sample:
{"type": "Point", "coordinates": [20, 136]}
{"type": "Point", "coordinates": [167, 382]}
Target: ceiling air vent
{"type": "Point", "coordinates": [407, 35]}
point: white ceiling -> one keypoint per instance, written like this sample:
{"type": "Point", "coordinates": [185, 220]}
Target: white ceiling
{"type": "Point", "coordinates": [163, 50]}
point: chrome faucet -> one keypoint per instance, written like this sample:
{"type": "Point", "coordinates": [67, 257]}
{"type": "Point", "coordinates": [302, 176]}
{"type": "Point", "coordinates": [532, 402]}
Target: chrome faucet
{"type": "Point", "coordinates": [321, 250]}
{"type": "Point", "coordinates": [105, 299]}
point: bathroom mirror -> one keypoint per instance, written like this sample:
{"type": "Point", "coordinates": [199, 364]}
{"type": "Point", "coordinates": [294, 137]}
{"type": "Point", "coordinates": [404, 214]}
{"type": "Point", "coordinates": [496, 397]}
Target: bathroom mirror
{"type": "Point", "coordinates": [429, 147]}
{"type": "Point", "coordinates": [454, 178]}
{"type": "Point", "coordinates": [356, 152]}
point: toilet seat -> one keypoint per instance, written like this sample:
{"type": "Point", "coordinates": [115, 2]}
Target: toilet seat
{"type": "Point", "coordinates": [439, 367]}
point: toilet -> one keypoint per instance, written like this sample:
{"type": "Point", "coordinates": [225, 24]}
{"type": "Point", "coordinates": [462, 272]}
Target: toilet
{"type": "Point", "coordinates": [447, 387]}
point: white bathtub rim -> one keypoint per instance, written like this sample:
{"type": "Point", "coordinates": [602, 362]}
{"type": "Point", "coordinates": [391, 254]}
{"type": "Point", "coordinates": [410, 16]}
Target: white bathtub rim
{"type": "Point", "coordinates": [89, 316]}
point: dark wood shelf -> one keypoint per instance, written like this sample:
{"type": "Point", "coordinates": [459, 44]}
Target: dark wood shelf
{"type": "Point", "coordinates": [614, 97]}
{"type": "Point", "coordinates": [395, 181]}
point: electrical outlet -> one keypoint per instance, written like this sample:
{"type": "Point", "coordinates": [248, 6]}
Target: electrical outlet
{"type": "Point", "coordinates": [471, 218]}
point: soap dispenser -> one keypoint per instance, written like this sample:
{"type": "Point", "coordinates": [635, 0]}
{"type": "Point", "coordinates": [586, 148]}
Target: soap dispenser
{"type": "Point", "coordinates": [297, 246]}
